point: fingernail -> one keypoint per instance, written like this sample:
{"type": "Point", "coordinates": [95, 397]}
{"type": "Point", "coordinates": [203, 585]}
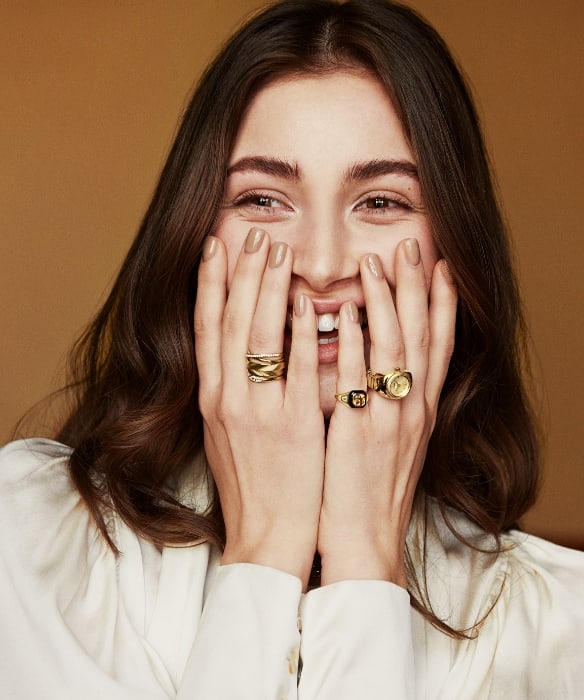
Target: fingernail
{"type": "Point", "coordinates": [209, 247]}
{"type": "Point", "coordinates": [412, 251]}
{"type": "Point", "coordinates": [299, 304]}
{"type": "Point", "coordinates": [351, 311]}
{"type": "Point", "coordinates": [374, 264]}
{"type": "Point", "coordinates": [254, 240]}
{"type": "Point", "coordinates": [277, 254]}
{"type": "Point", "coordinates": [446, 272]}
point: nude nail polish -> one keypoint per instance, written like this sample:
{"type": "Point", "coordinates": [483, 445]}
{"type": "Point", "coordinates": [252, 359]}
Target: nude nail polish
{"type": "Point", "coordinates": [209, 248]}
{"type": "Point", "coordinates": [254, 240]}
{"type": "Point", "coordinates": [352, 312]}
{"type": "Point", "coordinates": [299, 304]}
{"type": "Point", "coordinates": [277, 254]}
{"type": "Point", "coordinates": [446, 272]}
{"type": "Point", "coordinates": [412, 251]}
{"type": "Point", "coordinates": [374, 265]}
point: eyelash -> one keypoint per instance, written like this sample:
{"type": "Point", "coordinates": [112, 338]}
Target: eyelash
{"type": "Point", "coordinates": [250, 199]}
{"type": "Point", "coordinates": [390, 203]}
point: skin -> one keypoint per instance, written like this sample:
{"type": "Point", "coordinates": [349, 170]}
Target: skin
{"type": "Point", "coordinates": [322, 213]}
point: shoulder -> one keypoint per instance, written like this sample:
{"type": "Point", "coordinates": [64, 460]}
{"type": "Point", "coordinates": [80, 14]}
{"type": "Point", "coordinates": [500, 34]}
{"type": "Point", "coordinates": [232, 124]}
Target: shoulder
{"type": "Point", "coordinates": [546, 575]}
{"type": "Point", "coordinates": [37, 495]}
{"type": "Point", "coordinates": [42, 515]}
{"type": "Point", "coordinates": [521, 602]}
{"type": "Point", "coordinates": [524, 573]}
{"type": "Point", "coordinates": [34, 484]}
{"type": "Point", "coordinates": [25, 459]}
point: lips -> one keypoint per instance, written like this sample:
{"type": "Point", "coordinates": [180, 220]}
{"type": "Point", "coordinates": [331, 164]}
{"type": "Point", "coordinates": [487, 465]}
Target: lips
{"type": "Point", "coordinates": [328, 341]}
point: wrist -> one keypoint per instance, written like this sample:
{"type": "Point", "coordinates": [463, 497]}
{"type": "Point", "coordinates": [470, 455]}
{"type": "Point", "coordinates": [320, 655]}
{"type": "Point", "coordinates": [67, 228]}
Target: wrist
{"type": "Point", "coordinates": [292, 557]}
{"type": "Point", "coordinates": [358, 562]}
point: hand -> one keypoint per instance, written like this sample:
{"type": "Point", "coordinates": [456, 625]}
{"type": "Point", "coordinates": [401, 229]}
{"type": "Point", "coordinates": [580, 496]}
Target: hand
{"type": "Point", "coordinates": [264, 442]}
{"type": "Point", "coordinates": [375, 455]}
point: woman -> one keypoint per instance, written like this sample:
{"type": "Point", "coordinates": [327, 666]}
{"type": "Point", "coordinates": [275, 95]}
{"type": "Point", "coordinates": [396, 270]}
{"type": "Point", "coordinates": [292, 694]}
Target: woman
{"type": "Point", "coordinates": [325, 227]}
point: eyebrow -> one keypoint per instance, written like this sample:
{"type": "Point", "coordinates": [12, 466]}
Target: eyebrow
{"type": "Point", "coordinates": [374, 168]}
{"type": "Point", "coordinates": [267, 165]}
{"type": "Point", "coordinates": [367, 170]}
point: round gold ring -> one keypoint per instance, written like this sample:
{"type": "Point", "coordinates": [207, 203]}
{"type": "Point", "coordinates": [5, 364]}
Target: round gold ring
{"type": "Point", "coordinates": [395, 385]}
{"type": "Point", "coordinates": [265, 356]}
{"type": "Point", "coordinates": [357, 398]}
{"type": "Point", "coordinates": [265, 367]}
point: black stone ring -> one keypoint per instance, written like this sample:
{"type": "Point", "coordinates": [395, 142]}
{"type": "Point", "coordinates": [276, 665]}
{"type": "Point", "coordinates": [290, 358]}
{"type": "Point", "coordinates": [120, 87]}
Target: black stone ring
{"type": "Point", "coordinates": [354, 399]}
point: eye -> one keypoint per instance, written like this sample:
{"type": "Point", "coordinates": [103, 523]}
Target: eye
{"type": "Point", "coordinates": [382, 207]}
{"type": "Point", "coordinates": [383, 202]}
{"type": "Point", "coordinates": [258, 201]}
{"type": "Point", "coordinates": [378, 203]}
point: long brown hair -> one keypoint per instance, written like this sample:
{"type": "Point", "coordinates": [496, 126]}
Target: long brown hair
{"type": "Point", "coordinates": [135, 424]}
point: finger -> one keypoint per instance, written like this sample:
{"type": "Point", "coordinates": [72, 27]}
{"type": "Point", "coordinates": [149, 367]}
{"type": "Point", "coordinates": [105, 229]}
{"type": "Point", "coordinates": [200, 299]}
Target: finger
{"type": "Point", "coordinates": [267, 328]}
{"type": "Point", "coordinates": [351, 359]}
{"type": "Point", "coordinates": [387, 348]}
{"type": "Point", "coordinates": [411, 298]}
{"type": "Point", "coordinates": [208, 315]}
{"type": "Point", "coordinates": [442, 322]}
{"type": "Point", "coordinates": [241, 304]}
{"type": "Point", "coordinates": [302, 385]}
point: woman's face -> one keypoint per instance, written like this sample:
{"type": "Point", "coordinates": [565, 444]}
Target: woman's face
{"type": "Point", "coordinates": [322, 163]}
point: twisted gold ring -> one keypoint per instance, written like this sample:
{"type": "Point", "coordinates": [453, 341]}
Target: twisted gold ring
{"type": "Point", "coordinates": [357, 398]}
{"type": "Point", "coordinates": [265, 367]}
{"type": "Point", "coordinates": [392, 385]}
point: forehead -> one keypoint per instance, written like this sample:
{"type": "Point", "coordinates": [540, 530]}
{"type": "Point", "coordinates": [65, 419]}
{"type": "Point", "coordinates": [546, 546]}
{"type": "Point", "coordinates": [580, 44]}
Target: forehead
{"type": "Point", "coordinates": [344, 111]}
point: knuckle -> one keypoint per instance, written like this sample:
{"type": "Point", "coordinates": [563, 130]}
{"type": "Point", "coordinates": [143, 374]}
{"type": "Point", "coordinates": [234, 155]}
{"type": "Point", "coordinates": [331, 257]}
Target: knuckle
{"type": "Point", "coordinates": [231, 323]}
{"type": "Point", "coordinates": [449, 346]}
{"type": "Point", "coordinates": [261, 339]}
{"type": "Point", "coordinates": [202, 325]}
{"type": "Point", "coordinates": [393, 347]}
{"type": "Point", "coordinates": [417, 420]}
{"type": "Point", "coordinates": [206, 409]}
{"type": "Point", "coordinates": [226, 409]}
{"type": "Point", "coordinates": [421, 338]}
{"type": "Point", "coordinates": [303, 364]}
{"type": "Point", "coordinates": [207, 402]}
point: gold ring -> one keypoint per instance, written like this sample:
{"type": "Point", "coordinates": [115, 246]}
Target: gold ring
{"type": "Point", "coordinates": [265, 367]}
{"type": "Point", "coordinates": [392, 385]}
{"type": "Point", "coordinates": [357, 398]}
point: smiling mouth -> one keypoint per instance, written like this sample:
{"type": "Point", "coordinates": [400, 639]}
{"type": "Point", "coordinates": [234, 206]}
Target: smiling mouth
{"type": "Point", "coordinates": [328, 325]}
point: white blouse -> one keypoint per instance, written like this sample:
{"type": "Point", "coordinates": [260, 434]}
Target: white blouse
{"type": "Point", "coordinates": [78, 622]}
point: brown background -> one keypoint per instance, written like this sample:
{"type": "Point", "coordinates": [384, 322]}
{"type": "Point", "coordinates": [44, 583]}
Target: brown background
{"type": "Point", "coordinates": [91, 93]}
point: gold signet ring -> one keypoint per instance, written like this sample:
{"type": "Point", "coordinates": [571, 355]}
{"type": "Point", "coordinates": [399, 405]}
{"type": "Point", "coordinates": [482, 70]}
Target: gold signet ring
{"type": "Point", "coordinates": [354, 399]}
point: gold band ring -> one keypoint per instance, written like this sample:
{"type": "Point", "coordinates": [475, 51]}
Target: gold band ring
{"type": "Point", "coordinates": [265, 367]}
{"type": "Point", "coordinates": [357, 398]}
{"type": "Point", "coordinates": [392, 385]}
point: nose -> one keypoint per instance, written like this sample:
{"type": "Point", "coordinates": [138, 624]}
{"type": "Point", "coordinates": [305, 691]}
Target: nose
{"type": "Point", "coordinates": [323, 257]}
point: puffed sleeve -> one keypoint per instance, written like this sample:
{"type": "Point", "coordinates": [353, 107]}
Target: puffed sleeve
{"type": "Point", "coordinates": [521, 612]}
{"type": "Point", "coordinates": [79, 621]}
{"type": "Point", "coordinates": [62, 621]}
{"type": "Point", "coordinates": [356, 642]}
{"type": "Point", "coordinates": [538, 628]}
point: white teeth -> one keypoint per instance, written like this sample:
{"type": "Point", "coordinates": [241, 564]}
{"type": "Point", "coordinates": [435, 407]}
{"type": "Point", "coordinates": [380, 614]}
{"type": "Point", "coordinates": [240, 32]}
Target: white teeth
{"type": "Point", "coordinates": [326, 341]}
{"type": "Point", "coordinates": [328, 322]}
{"type": "Point", "coordinates": [325, 323]}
